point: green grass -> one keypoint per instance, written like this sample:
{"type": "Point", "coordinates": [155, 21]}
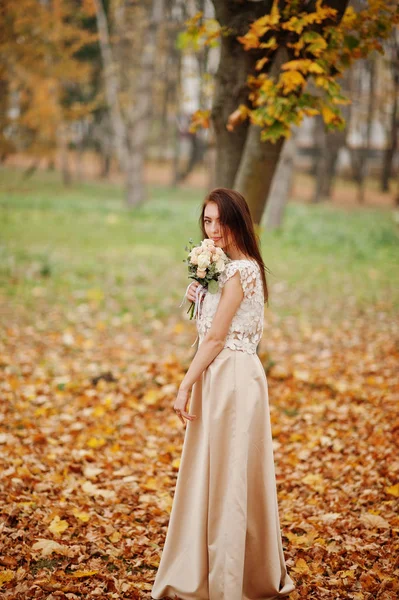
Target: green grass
{"type": "Point", "coordinates": [80, 245]}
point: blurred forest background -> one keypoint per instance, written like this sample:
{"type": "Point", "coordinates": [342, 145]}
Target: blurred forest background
{"type": "Point", "coordinates": [116, 118]}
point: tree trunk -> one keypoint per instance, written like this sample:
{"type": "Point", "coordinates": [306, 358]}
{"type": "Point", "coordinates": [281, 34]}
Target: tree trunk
{"type": "Point", "coordinates": [112, 85]}
{"type": "Point", "coordinates": [140, 120]}
{"type": "Point", "coordinates": [392, 145]}
{"type": "Point", "coordinates": [62, 140]}
{"type": "Point", "coordinates": [319, 158]}
{"type": "Point", "coordinates": [256, 171]}
{"type": "Point", "coordinates": [281, 185]}
{"type": "Point", "coordinates": [259, 159]}
{"type": "Point", "coordinates": [370, 115]}
{"type": "Point", "coordinates": [230, 91]}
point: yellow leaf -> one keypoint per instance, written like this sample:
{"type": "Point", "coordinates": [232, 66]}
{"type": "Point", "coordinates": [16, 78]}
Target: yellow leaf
{"type": "Point", "coordinates": [6, 575]}
{"type": "Point", "coordinates": [81, 515]}
{"type": "Point", "coordinates": [393, 490]}
{"type": "Point", "coordinates": [261, 63]}
{"type": "Point", "coordinates": [347, 573]}
{"type": "Point", "coordinates": [291, 80]}
{"type": "Point", "coordinates": [151, 397]}
{"type": "Point", "coordinates": [58, 525]}
{"type": "Point", "coordinates": [150, 484]}
{"type": "Point", "coordinates": [269, 45]}
{"type": "Point", "coordinates": [314, 481]}
{"type": "Point", "coordinates": [95, 442]}
{"type": "Point", "coordinates": [295, 24]}
{"type": "Point", "coordinates": [322, 82]}
{"type": "Point", "coordinates": [250, 40]}
{"type": "Point", "coordinates": [115, 537]}
{"type": "Point", "coordinates": [98, 411]}
{"type": "Point", "coordinates": [302, 65]}
{"type": "Point", "coordinates": [349, 18]}
{"type": "Point", "coordinates": [329, 116]}
{"type": "Point", "coordinates": [315, 68]}
{"type": "Point", "coordinates": [306, 540]}
{"type": "Point", "coordinates": [274, 13]}
{"type": "Point", "coordinates": [200, 118]}
{"type": "Point", "coordinates": [310, 112]}
{"type": "Point", "coordinates": [176, 463]}
{"type": "Point", "coordinates": [300, 566]}
{"type": "Point", "coordinates": [258, 29]}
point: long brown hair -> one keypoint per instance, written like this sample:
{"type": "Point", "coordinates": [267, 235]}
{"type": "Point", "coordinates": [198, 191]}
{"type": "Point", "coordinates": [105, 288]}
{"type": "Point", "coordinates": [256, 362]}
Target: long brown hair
{"type": "Point", "coordinates": [235, 215]}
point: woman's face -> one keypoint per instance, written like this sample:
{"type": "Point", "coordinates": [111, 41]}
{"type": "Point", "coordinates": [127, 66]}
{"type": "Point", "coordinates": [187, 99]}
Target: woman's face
{"type": "Point", "coordinates": [221, 236]}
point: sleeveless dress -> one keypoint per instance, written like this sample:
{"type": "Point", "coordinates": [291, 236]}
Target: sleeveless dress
{"type": "Point", "coordinates": [223, 540]}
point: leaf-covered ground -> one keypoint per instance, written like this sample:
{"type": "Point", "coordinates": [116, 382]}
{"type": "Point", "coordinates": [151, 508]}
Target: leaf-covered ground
{"type": "Point", "coordinates": [93, 346]}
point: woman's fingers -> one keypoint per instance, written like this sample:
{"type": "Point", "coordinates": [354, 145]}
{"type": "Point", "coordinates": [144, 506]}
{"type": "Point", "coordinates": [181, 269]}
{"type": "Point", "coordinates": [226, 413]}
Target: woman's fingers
{"type": "Point", "coordinates": [192, 289]}
{"type": "Point", "coordinates": [183, 413]}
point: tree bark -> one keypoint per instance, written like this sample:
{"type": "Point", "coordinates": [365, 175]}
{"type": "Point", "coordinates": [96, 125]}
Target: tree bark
{"type": "Point", "coordinates": [131, 126]}
{"type": "Point", "coordinates": [281, 185]}
{"type": "Point", "coordinates": [112, 90]}
{"type": "Point", "coordinates": [231, 87]}
{"type": "Point", "coordinates": [230, 91]}
{"type": "Point", "coordinates": [255, 175]}
{"type": "Point", "coordinates": [370, 114]}
{"type": "Point", "coordinates": [62, 140]}
{"type": "Point", "coordinates": [392, 144]}
{"type": "Point", "coordinates": [140, 118]}
{"type": "Point", "coordinates": [319, 165]}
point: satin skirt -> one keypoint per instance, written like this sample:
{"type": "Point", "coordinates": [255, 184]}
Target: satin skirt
{"type": "Point", "coordinates": [223, 540]}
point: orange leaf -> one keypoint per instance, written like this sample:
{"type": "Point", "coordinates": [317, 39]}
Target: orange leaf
{"type": "Point", "coordinates": [237, 117]}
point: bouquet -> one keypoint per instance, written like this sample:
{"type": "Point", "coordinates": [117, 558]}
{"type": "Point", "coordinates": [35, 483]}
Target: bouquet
{"type": "Point", "coordinates": [205, 263]}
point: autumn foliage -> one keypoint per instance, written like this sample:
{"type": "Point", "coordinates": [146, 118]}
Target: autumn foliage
{"type": "Point", "coordinates": [46, 83]}
{"type": "Point", "coordinates": [311, 50]}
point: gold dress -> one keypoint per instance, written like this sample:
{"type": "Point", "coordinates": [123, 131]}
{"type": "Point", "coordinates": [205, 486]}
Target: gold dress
{"type": "Point", "coordinates": [223, 540]}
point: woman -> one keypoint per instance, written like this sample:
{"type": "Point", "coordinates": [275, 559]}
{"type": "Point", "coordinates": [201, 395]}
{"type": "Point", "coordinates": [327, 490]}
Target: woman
{"type": "Point", "coordinates": [223, 540]}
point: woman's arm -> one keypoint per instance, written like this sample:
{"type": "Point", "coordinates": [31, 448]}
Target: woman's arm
{"type": "Point", "coordinates": [213, 343]}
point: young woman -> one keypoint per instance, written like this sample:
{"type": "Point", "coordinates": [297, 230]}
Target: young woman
{"type": "Point", "coordinates": [223, 540]}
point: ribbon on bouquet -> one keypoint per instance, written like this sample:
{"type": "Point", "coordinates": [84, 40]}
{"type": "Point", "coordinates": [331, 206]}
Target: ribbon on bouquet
{"type": "Point", "coordinates": [185, 295]}
{"type": "Point", "coordinates": [199, 294]}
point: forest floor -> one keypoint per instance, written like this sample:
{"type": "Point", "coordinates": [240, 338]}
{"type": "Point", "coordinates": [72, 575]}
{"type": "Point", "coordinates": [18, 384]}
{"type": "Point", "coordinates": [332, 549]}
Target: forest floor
{"type": "Point", "coordinates": [93, 346]}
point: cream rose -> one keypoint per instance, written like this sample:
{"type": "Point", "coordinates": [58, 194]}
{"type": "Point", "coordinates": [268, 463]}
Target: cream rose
{"type": "Point", "coordinates": [201, 273]}
{"type": "Point", "coordinates": [204, 260]}
{"type": "Point", "coordinates": [220, 266]}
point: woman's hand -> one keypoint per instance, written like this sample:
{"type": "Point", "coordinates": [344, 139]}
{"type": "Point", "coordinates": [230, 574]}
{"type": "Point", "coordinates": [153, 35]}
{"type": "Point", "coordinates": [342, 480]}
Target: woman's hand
{"type": "Point", "coordinates": [192, 289]}
{"type": "Point", "coordinates": [180, 405]}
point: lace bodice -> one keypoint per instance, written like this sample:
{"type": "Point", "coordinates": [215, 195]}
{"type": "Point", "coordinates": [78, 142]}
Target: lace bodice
{"type": "Point", "coordinates": [247, 325]}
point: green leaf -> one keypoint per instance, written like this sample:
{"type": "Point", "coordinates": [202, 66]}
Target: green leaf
{"type": "Point", "coordinates": [213, 286]}
{"type": "Point", "coordinates": [351, 41]}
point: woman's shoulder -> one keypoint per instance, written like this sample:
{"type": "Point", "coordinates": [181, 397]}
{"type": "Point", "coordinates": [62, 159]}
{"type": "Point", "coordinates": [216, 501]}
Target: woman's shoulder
{"type": "Point", "coordinates": [248, 269]}
{"type": "Point", "coordinates": [242, 265]}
